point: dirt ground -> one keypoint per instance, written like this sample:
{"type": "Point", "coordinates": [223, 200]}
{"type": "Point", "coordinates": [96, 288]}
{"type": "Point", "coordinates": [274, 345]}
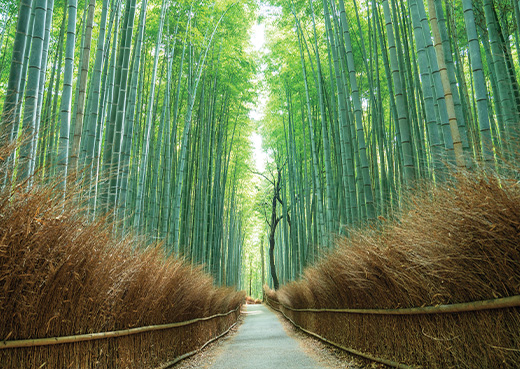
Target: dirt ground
{"type": "Point", "coordinates": [326, 355]}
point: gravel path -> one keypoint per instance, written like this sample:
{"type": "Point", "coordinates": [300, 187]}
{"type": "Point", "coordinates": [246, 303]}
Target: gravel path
{"type": "Point", "coordinates": [264, 339]}
{"type": "Point", "coordinates": [261, 342]}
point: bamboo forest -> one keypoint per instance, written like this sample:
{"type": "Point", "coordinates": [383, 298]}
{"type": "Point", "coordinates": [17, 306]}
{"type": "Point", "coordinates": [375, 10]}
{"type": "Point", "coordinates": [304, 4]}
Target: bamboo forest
{"type": "Point", "coordinates": [353, 165]}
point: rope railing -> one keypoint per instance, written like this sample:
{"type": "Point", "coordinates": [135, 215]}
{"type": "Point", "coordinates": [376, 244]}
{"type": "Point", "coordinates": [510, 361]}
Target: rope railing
{"type": "Point", "coordinates": [103, 335]}
{"type": "Point", "coordinates": [347, 349]}
{"type": "Point", "coordinates": [194, 352]}
{"type": "Point", "coordinates": [500, 303]}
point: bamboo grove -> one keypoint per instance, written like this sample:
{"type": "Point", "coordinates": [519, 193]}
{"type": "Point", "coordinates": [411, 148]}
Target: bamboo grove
{"type": "Point", "coordinates": [142, 104]}
{"type": "Point", "coordinates": [369, 98]}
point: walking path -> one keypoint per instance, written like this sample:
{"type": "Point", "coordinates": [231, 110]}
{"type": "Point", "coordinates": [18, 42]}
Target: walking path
{"type": "Point", "coordinates": [262, 343]}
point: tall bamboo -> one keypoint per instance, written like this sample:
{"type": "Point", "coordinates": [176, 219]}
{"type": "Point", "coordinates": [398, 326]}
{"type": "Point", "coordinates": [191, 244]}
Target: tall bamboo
{"type": "Point", "coordinates": [480, 82]}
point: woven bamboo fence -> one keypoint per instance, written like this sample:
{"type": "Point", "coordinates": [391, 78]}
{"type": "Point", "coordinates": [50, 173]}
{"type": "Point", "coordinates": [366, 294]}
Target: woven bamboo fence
{"type": "Point", "coordinates": [482, 334]}
{"type": "Point", "coordinates": [142, 347]}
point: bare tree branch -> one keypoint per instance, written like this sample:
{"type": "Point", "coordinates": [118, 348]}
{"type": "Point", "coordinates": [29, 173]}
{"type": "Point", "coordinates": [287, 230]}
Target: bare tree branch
{"type": "Point", "coordinates": [262, 175]}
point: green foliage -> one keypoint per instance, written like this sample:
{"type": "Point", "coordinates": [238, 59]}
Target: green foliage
{"type": "Point", "coordinates": [334, 124]}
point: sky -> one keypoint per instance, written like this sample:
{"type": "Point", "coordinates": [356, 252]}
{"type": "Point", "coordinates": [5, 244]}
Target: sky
{"type": "Point", "coordinates": [256, 113]}
{"type": "Point", "coordinates": [258, 34]}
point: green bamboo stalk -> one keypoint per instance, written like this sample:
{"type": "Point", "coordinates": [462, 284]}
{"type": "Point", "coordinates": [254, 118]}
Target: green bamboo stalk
{"type": "Point", "coordinates": [31, 90]}
{"type": "Point", "coordinates": [12, 97]}
{"type": "Point", "coordinates": [367, 182]}
{"type": "Point", "coordinates": [66, 98]}
{"type": "Point", "coordinates": [448, 95]}
{"type": "Point", "coordinates": [402, 113]}
{"type": "Point", "coordinates": [480, 83]}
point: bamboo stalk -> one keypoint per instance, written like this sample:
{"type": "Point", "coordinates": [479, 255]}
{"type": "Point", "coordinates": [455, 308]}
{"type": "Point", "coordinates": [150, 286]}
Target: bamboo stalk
{"type": "Point", "coordinates": [501, 303]}
{"type": "Point", "coordinates": [103, 335]}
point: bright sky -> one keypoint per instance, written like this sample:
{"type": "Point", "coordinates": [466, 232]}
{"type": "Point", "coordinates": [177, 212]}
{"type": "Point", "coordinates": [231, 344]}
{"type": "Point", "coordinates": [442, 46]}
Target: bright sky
{"type": "Point", "coordinates": [259, 155]}
{"type": "Point", "coordinates": [257, 43]}
{"type": "Point", "coordinates": [258, 36]}
{"type": "Point", "coordinates": [257, 111]}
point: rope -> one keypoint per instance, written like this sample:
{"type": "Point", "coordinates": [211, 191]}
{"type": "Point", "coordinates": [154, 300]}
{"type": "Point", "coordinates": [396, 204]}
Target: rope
{"type": "Point", "coordinates": [103, 335]}
{"type": "Point", "coordinates": [501, 303]}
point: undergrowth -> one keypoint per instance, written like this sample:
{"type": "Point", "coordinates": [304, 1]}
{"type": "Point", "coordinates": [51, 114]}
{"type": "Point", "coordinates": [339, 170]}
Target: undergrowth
{"type": "Point", "coordinates": [454, 243]}
{"type": "Point", "coordinates": [62, 275]}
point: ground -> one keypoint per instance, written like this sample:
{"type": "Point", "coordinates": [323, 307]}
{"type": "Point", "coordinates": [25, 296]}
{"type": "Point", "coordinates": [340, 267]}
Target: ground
{"type": "Point", "coordinates": [325, 355]}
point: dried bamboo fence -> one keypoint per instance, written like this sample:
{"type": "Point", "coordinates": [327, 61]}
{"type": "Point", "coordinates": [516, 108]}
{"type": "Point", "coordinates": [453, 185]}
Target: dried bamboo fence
{"type": "Point", "coordinates": [142, 347]}
{"type": "Point", "coordinates": [482, 334]}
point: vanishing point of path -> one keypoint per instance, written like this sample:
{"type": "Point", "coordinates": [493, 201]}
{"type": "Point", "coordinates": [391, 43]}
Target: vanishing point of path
{"type": "Point", "coordinates": [262, 343]}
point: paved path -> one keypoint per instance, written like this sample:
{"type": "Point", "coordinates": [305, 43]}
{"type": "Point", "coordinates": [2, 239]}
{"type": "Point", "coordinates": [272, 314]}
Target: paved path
{"type": "Point", "coordinates": [261, 343]}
